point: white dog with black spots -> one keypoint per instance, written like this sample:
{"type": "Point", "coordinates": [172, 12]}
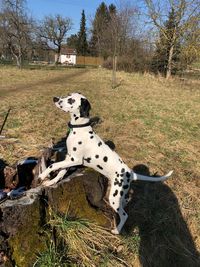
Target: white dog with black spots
{"type": "Point", "coordinates": [86, 148]}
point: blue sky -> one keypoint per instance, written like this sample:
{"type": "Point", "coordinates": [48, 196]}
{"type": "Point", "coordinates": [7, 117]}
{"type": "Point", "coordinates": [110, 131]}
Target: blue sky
{"type": "Point", "coordinates": [68, 8]}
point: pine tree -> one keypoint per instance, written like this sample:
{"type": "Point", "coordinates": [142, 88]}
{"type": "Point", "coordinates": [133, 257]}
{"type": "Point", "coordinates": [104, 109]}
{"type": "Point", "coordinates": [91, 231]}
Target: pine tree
{"type": "Point", "coordinates": [72, 41]}
{"type": "Point", "coordinates": [82, 46]}
{"type": "Point", "coordinates": [112, 9]}
{"type": "Point", "coordinates": [163, 46]}
{"type": "Point", "coordinates": [100, 25]}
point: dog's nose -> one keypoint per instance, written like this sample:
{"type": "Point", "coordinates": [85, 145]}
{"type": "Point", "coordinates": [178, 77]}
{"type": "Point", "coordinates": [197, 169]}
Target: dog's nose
{"type": "Point", "coordinates": [55, 99]}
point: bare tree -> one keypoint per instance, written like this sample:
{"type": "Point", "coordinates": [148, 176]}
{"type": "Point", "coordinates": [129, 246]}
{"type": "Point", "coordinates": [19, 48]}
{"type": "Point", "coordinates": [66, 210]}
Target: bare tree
{"type": "Point", "coordinates": [16, 28]}
{"type": "Point", "coordinates": [54, 29]}
{"type": "Point", "coordinates": [190, 48]}
{"type": "Point", "coordinates": [118, 33]}
{"type": "Point", "coordinates": [184, 11]}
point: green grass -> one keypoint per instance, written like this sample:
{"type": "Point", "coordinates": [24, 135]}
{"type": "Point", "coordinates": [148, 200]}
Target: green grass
{"type": "Point", "coordinates": [78, 242]}
{"type": "Point", "coordinates": [196, 65]}
{"type": "Point", "coordinates": [52, 257]}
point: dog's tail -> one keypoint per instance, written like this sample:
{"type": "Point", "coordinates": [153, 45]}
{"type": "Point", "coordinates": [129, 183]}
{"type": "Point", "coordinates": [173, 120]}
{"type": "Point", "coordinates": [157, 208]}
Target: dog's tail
{"type": "Point", "coordinates": [140, 177]}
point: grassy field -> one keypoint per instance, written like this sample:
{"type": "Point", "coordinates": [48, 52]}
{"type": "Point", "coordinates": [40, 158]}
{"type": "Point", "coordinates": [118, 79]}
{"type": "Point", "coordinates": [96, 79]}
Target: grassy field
{"type": "Point", "coordinates": [153, 122]}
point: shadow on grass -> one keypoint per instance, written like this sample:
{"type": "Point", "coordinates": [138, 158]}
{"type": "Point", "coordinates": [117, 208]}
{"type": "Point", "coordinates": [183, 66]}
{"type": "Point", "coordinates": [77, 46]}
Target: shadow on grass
{"type": "Point", "coordinates": [165, 239]}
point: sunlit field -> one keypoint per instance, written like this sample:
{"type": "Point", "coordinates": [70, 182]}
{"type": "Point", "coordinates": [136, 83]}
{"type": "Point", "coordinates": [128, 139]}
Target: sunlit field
{"type": "Point", "coordinates": [152, 121]}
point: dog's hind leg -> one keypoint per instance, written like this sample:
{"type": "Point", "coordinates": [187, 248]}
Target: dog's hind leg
{"type": "Point", "coordinates": [116, 200]}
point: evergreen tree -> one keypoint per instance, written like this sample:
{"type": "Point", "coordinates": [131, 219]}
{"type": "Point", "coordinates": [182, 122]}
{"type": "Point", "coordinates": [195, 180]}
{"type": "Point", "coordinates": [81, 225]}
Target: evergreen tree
{"type": "Point", "coordinates": [72, 41]}
{"type": "Point", "coordinates": [112, 9]}
{"type": "Point", "coordinates": [166, 40]}
{"type": "Point", "coordinates": [99, 30]}
{"type": "Point", "coordinates": [82, 46]}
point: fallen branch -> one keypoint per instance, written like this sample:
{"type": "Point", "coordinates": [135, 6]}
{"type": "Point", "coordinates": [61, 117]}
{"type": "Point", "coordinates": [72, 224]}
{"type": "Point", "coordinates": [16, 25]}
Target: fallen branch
{"type": "Point", "coordinates": [4, 122]}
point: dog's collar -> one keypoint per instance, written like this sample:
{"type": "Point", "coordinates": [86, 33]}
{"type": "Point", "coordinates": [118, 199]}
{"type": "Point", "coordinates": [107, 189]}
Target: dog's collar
{"type": "Point", "coordinates": [71, 126]}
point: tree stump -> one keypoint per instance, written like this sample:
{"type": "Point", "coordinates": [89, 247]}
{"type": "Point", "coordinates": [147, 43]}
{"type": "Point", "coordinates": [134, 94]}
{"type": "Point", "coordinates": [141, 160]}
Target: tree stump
{"type": "Point", "coordinates": [23, 221]}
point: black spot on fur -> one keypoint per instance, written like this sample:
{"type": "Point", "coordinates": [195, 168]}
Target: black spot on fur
{"type": "Point", "coordinates": [80, 143]}
{"type": "Point", "coordinates": [90, 132]}
{"type": "Point", "coordinates": [128, 174]}
{"type": "Point", "coordinates": [124, 213]}
{"type": "Point", "coordinates": [116, 182]}
{"type": "Point", "coordinates": [120, 184]}
{"type": "Point", "coordinates": [125, 186]}
{"type": "Point", "coordinates": [72, 159]}
{"type": "Point", "coordinates": [121, 193]}
{"type": "Point", "coordinates": [113, 203]}
{"type": "Point", "coordinates": [71, 101]}
{"type": "Point", "coordinates": [88, 160]}
{"type": "Point", "coordinates": [117, 209]}
{"type": "Point", "coordinates": [74, 132]}
{"type": "Point", "coordinates": [126, 196]}
{"type": "Point", "coordinates": [76, 118]}
{"type": "Point", "coordinates": [98, 166]}
{"type": "Point", "coordinates": [50, 166]}
{"type": "Point", "coordinates": [91, 137]}
{"type": "Point", "coordinates": [100, 143]}
{"type": "Point", "coordinates": [74, 148]}
{"type": "Point", "coordinates": [122, 170]}
{"type": "Point", "coordinates": [96, 156]}
{"type": "Point", "coordinates": [105, 159]}
{"type": "Point", "coordinates": [115, 193]}
{"type": "Point", "coordinates": [120, 161]}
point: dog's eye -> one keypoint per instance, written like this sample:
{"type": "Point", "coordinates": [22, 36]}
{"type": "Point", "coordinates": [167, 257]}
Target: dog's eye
{"type": "Point", "coordinates": [70, 101]}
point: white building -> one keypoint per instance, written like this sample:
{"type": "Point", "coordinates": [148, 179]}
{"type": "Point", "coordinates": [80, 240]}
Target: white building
{"type": "Point", "coordinates": [67, 56]}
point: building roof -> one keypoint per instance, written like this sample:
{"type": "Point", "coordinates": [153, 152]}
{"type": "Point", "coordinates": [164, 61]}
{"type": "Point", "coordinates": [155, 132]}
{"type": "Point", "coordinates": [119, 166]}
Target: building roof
{"type": "Point", "coordinates": [68, 51]}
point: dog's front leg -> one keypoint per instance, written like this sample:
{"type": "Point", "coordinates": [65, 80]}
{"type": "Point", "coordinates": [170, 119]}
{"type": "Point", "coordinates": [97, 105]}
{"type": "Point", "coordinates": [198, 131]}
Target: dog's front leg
{"type": "Point", "coordinates": [68, 162]}
{"type": "Point", "coordinates": [59, 177]}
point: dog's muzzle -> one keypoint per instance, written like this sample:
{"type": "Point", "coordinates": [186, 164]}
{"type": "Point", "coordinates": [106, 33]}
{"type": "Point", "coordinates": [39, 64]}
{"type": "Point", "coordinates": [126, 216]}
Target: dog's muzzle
{"type": "Point", "coordinates": [55, 99]}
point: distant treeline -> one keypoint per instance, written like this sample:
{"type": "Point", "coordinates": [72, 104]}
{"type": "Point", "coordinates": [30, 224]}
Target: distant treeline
{"type": "Point", "coordinates": [126, 37]}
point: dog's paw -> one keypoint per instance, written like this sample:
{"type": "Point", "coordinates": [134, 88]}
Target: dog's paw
{"type": "Point", "coordinates": [48, 183]}
{"type": "Point", "coordinates": [40, 178]}
{"type": "Point", "coordinates": [44, 175]}
{"type": "Point", "coordinates": [115, 231]}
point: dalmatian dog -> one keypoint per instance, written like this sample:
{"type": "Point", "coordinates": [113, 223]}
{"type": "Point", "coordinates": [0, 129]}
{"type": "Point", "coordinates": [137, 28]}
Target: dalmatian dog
{"type": "Point", "coordinates": [86, 148]}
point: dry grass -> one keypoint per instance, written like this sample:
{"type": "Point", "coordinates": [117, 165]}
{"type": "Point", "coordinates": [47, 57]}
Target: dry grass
{"type": "Point", "coordinates": [89, 245]}
{"type": "Point", "coordinates": [152, 122]}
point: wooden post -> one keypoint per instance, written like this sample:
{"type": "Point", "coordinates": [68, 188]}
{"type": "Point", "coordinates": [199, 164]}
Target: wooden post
{"type": "Point", "coordinates": [114, 82]}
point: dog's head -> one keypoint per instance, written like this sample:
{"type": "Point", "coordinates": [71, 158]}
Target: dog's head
{"type": "Point", "coordinates": [73, 103]}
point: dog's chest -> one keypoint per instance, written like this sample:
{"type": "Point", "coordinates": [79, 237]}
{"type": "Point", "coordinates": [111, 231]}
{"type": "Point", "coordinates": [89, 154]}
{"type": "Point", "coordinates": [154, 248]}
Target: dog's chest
{"type": "Point", "coordinates": [80, 141]}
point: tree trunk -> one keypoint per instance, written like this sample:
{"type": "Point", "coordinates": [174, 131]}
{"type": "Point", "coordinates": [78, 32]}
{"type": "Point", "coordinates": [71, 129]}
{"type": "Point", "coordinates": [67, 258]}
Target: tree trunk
{"type": "Point", "coordinates": [58, 55]}
{"type": "Point", "coordinates": [18, 56]}
{"type": "Point", "coordinates": [169, 63]}
{"type": "Point", "coordinates": [114, 82]}
{"type": "Point", "coordinates": [19, 62]}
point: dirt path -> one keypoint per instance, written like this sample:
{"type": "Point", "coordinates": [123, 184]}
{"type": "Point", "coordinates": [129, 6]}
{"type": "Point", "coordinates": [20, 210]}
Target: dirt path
{"type": "Point", "coordinates": [64, 77]}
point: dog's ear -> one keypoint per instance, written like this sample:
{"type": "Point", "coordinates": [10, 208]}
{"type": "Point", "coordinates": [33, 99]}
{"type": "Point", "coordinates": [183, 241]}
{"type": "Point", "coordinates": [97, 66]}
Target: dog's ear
{"type": "Point", "coordinates": [84, 108]}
